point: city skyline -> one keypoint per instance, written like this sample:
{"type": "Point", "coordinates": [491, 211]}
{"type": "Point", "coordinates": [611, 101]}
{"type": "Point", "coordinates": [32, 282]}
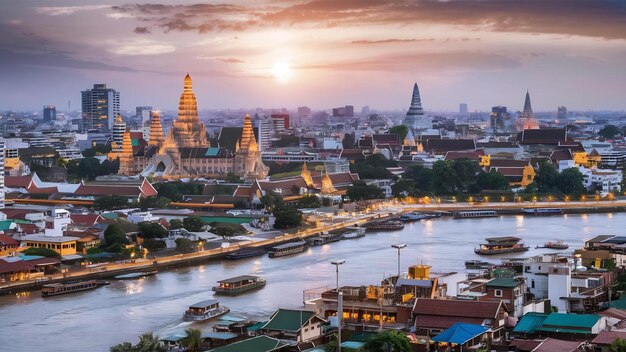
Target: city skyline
{"type": "Point", "coordinates": [318, 53]}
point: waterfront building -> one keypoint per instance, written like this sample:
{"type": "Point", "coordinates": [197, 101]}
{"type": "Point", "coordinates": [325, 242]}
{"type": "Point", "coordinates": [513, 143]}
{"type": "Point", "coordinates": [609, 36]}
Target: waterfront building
{"type": "Point", "coordinates": [527, 119]}
{"type": "Point", "coordinates": [509, 290]}
{"type": "Point", "coordinates": [415, 119]}
{"type": "Point", "coordinates": [49, 113]}
{"type": "Point", "coordinates": [64, 245]}
{"type": "Point", "coordinates": [100, 105]}
{"type": "Point", "coordinates": [296, 325]}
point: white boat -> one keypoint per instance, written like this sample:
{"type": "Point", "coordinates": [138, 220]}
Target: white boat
{"type": "Point", "coordinates": [205, 310]}
{"type": "Point", "coordinates": [355, 232]}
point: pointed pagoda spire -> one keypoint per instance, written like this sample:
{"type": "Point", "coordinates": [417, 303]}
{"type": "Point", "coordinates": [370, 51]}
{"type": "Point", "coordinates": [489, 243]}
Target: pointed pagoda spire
{"type": "Point", "coordinates": [416, 102]}
{"type": "Point", "coordinates": [528, 110]}
{"type": "Point", "coordinates": [306, 175]}
{"type": "Point", "coordinates": [247, 133]}
{"type": "Point", "coordinates": [156, 130]}
{"type": "Point", "coordinates": [327, 184]}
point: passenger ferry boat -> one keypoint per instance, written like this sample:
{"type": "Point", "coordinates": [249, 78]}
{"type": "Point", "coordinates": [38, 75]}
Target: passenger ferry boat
{"type": "Point", "coordinates": [324, 238]}
{"type": "Point", "coordinates": [555, 245]}
{"type": "Point", "coordinates": [70, 287]}
{"type": "Point", "coordinates": [287, 249]}
{"type": "Point", "coordinates": [238, 284]}
{"type": "Point", "coordinates": [354, 232]}
{"type": "Point", "coordinates": [462, 214]}
{"type": "Point", "coordinates": [391, 225]}
{"type": "Point", "coordinates": [205, 310]}
{"type": "Point", "coordinates": [501, 245]}
{"type": "Point", "coordinates": [542, 211]}
{"type": "Point", "coordinates": [246, 253]}
{"type": "Point", "coordinates": [477, 264]}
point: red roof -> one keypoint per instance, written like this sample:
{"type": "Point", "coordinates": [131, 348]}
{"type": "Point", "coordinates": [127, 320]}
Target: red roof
{"type": "Point", "coordinates": [85, 219]}
{"type": "Point", "coordinates": [13, 213]}
{"type": "Point", "coordinates": [456, 308]}
{"type": "Point", "coordinates": [144, 189]}
{"type": "Point", "coordinates": [8, 240]}
{"type": "Point", "coordinates": [14, 267]}
{"type": "Point", "coordinates": [18, 181]}
{"type": "Point", "coordinates": [458, 154]}
{"type": "Point", "coordinates": [525, 345]}
{"type": "Point", "coordinates": [29, 228]}
{"type": "Point", "coordinates": [607, 337]}
{"type": "Point", "coordinates": [555, 345]}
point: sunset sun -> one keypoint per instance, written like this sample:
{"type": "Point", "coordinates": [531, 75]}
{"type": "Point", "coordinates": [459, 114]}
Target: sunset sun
{"type": "Point", "coordinates": [282, 71]}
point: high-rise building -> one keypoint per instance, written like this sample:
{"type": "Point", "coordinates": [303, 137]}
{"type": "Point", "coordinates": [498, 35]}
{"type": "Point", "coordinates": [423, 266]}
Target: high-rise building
{"type": "Point", "coordinates": [562, 113]}
{"type": "Point", "coordinates": [365, 111]}
{"type": "Point", "coordinates": [49, 113]}
{"type": "Point", "coordinates": [498, 117]}
{"type": "Point", "coordinates": [144, 113]}
{"type": "Point", "coordinates": [346, 111]}
{"type": "Point", "coordinates": [415, 119]}
{"type": "Point", "coordinates": [304, 112]}
{"type": "Point", "coordinates": [100, 107]}
{"type": "Point", "coordinates": [187, 129]}
{"type": "Point", "coordinates": [280, 122]}
{"type": "Point", "coordinates": [117, 135]}
{"type": "Point", "coordinates": [463, 108]}
{"type": "Point", "coordinates": [2, 173]}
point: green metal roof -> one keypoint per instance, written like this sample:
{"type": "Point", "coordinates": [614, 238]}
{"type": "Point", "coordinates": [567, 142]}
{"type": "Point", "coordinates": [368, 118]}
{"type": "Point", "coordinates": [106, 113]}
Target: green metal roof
{"type": "Point", "coordinates": [256, 326]}
{"type": "Point", "coordinates": [5, 225]}
{"type": "Point", "coordinates": [530, 322]}
{"type": "Point", "coordinates": [231, 220]}
{"type": "Point", "coordinates": [575, 323]}
{"type": "Point", "coordinates": [256, 344]}
{"type": "Point", "coordinates": [503, 282]}
{"type": "Point", "coordinates": [134, 142]}
{"type": "Point", "coordinates": [212, 152]}
{"type": "Point", "coordinates": [21, 221]}
{"type": "Point", "coordinates": [619, 303]}
{"type": "Point", "coordinates": [288, 320]}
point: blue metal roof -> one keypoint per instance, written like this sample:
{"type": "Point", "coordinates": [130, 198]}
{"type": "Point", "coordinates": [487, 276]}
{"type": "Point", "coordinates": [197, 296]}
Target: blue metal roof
{"type": "Point", "coordinates": [530, 322]}
{"type": "Point", "coordinates": [460, 333]}
{"type": "Point", "coordinates": [212, 152]}
{"type": "Point", "coordinates": [219, 335]}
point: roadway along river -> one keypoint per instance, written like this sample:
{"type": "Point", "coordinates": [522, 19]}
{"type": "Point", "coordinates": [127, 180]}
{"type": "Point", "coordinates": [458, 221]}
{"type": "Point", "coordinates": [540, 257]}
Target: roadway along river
{"type": "Point", "coordinates": [95, 320]}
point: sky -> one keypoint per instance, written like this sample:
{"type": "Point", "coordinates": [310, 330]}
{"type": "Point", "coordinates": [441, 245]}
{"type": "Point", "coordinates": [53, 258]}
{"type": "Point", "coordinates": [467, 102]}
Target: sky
{"type": "Point", "coordinates": [318, 53]}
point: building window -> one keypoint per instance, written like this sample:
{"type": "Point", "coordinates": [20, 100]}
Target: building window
{"type": "Point", "coordinates": [532, 284]}
{"type": "Point", "coordinates": [498, 293]}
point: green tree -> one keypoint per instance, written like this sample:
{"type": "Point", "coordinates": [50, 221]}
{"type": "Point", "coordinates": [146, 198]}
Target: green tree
{"type": "Point", "coordinates": [400, 130]}
{"type": "Point", "coordinates": [184, 245]}
{"type": "Point", "coordinates": [193, 341]}
{"type": "Point", "coordinates": [570, 182]}
{"type": "Point", "coordinates": [176, 224]}
{"type": "Point", "coordinates": [147, 343]}
{"type": "Point", "coordinates": [152, 244]}
{"type": "Point", "coordinates": [546, 177]}
{"type": "Point", "coordinates": [193, 223]}
{"type": "Point", "coordinates": [619, 345]}
{"type": "Point", "coordinates": [404, 187]}
{"type": "Point", "coordinates": [287, 217]}
{"type": "Point", "coordinates": [490, 180]}
{"type": "Point", "coordinates": [272, 200]}
{"type": "Point", "coordinates": [609, 131]}
{"type": "Point", "coordinates": [390, 340]}
{"type": "Point", "coordinates": [373, 167]}
{"type": "Point", "coordinates": [466, 173]}
{"type": "Point", "coordinates": [110, 203]}
{"type": "Point", "coordinates": [169, 191]}
{"type": "Point", "coordinates": [152, 230]}
{"type": "Point", "coordinates": [230, 177]}
{"type": "Point", "coordinates": [114, 238]}
{"type": "Point", "coordinates": [445, 179]}
{"type": "Point", "coordinates": [361, 191]}
{"type": "Point", "coordinates": [154, 202]}
{"type": "Point", "coordinates": [44, 252]}
{"type": "Point", "coordinates": [308, 202]}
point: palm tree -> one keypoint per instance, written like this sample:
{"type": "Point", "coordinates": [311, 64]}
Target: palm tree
{"type": "Point", "coordinates": [618, 345]}
{"type": "Point", "coordinates": [388, 341]}
{"type": "Point", "coordinates": [147, 343]}
{"type": "Point", "coordinates": [123, 347]}
{"type": "Point", "coordinates": [193, 342]}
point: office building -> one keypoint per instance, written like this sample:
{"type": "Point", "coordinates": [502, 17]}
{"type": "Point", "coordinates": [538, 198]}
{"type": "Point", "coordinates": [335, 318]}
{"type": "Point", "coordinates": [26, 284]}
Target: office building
{"type": "Point", "coordinates": [100, 106]}
{"type": "Point", "coordinates": [498, 117]}
{"type": "Point", "coordinates": [144, 113]}
{"type": "Point", "coordinates": [463, 108]}
{"type": "Point", "coordinates": [346, 111]}
{"type": "Point", "coordinates": [49, 113]}
{"type": "Point", "coordinates": [562, 113]}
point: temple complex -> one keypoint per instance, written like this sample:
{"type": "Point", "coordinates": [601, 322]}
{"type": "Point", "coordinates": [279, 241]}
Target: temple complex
{"type": "Point", "coordinates": [185, 151]}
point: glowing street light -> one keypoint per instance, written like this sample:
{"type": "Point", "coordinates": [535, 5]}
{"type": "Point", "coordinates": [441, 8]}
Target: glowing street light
{"type": "Point", "coordinates": [399, 246]}
{"type": "Point", "coordinates": [336, 263]}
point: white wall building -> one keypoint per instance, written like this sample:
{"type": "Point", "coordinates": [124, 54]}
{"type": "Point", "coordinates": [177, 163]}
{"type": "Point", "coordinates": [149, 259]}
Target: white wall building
{"type": "Point", "coordinates": [559, 287]}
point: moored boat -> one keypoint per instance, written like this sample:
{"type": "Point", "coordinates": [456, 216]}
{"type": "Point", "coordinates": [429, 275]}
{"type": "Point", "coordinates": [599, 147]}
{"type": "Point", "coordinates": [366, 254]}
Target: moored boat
{"type": "Point", "coordinates": [136, 275]}
{"type": "Point", "coordinates": [205, 310]}
{"type": "Point", "coordinates": [238, 284]}
{"type": "Point", "coordinates": [70, 287]}
{"type": "Point", "coordinates": [287, 249]}
{"type": "Point", "coordinates": [501, 245]}
{"type": "Point", "coordinates": [246, 253]}
{"type": "Point", "coordinates": [463, 214]}
{"type": "Point", "coordinates": [477, 264]}
{"type": "Point", "coordinates": [324, 238]}
{"type": "Point", "coordinates": [555, 245]}
{"type": "Point", "coordinates": [354, 232]}
{"type": "Point", "coordinates": [391, 225]}
{"type": "Point", "coordinates": [542, 211]}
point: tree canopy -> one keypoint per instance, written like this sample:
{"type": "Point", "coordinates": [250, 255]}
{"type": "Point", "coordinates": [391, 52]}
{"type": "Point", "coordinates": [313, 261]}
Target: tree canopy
{"type": "Point", "coordinates": [400, 130]}
{"type": "Point", "coordinates": [225, 229]}
{"type": "Point", "coordinates": [609, 131]}
{"type": "Point", "coordinates": [193, 223]}
{"type": "Point", "coordinates": [44, 252]}
{"type": "Point", "coordinates": [389, 340]}
{"type": "Point", "coordinates": [114, 238]}
{"type": "Point", "coordinates": [110, 202]}
{"type": "Point", "coordinates": [152, 230]}
{"type": "Point", "coordinates": [361, 191]}
{"type": "Point", "coordinates": [374, 167]}
{"type": "Point", "coordinates": [147, 343]}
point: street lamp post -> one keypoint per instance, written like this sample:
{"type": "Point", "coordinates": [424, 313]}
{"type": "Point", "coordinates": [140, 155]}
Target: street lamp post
{"type": "Point", "coordinates": [336, 263]}
{"type": "Point", "coordinates": [398, 246]}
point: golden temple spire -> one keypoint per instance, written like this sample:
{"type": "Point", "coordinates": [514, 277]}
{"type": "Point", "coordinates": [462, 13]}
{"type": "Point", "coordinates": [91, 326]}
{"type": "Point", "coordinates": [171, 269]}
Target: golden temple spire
{"type": "Point", "coordinates": [156, 130]}
{"type": "Point", "coordinates": [247, 133]}
{"type": "Point", "coordinates": [306, 175]}
{"type": "Point", "coordinates": [327, 184]}
{"type": "Point", "coordinates": [188, 130]}
{"type": "Point", "coordinates": [126, 155]}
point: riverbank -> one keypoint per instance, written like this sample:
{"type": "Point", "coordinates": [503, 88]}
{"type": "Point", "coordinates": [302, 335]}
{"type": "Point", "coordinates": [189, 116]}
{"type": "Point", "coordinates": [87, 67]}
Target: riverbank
{"type": "Point", "coordinates": [386, 210]}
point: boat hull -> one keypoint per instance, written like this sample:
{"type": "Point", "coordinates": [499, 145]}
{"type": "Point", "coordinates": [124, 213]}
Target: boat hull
{"type": "Point", "coordinates": [238, 290]}
{"type": "Point", "coordinates": [500, 251]}
{"type": "Point", "coordinates": [210, 315]}
{"type": "Point", "coordinates": [67, 288]}
{"type": "Point", "coordinates": [246, 254]}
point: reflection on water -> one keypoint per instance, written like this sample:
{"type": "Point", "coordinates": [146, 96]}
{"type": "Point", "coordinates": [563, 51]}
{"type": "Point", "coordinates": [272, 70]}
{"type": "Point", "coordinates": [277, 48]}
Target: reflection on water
{"type": "Point", "coordinates": [125, 309]}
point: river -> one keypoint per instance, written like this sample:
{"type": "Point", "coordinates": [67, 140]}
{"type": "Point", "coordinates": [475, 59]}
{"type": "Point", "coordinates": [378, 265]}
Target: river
{"type": "Point", "coordinates": [97, 319]}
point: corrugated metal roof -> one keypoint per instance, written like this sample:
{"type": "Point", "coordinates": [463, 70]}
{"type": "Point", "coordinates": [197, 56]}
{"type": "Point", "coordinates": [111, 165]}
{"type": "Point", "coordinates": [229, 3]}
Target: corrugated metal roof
{"type": "Point", "coordinates": [503, 282]}
{"type": "Point", "coordinates": [529, 322]}
{"type": "Point", "coordinates": [460, 333]}
{"type": "Point", "coordinates": [574, 323]}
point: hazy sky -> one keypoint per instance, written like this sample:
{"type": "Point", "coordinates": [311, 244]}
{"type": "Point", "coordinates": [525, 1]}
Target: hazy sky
{"type": "Point", "coordinates": [320, 53]}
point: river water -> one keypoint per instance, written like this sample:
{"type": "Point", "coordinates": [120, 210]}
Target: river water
{"type": "Point", "coordinates": [97, 319]}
